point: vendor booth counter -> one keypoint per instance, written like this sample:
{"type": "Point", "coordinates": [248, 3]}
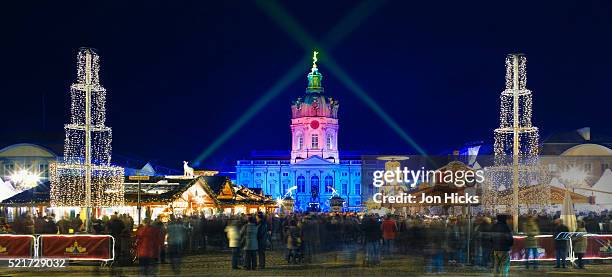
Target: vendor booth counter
{"type": "Point", "coordinates": [69, 247]}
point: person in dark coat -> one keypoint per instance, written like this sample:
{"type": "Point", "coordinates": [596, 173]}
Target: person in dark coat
{"type": "Point", "coordinates": [501, 243]}
{"type": "Point", "coordinates": [97, 225]}
{"type": "Point", "coordinates": [249, 237]}
{"type": "Point", "coordinates": [63, 225]}
{"type": "Point", "coordinates": [115, 227]}
{"type": "Point", "coordinates": [484, 231]}
{"type": "Point", "coordinates": [294, 242]}
{"type": "Point", "coordinates": [262, 239]}
{"type": "Point", "coordinates": [50, 226]}
{"type": "Point", "coordinates": [560, 242]}
{"type": "Point", "coordinates": [372, 234]}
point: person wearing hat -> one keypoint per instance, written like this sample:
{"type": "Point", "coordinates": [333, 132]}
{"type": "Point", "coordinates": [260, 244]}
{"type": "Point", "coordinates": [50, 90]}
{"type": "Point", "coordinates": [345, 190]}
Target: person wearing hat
{"type": "Point", "coordinates": [501, 242]}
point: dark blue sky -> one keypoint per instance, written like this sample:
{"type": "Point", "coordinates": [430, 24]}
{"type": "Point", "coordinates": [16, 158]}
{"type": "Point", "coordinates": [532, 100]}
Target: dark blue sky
{"type": "Point", "coordinates": [179, 73]}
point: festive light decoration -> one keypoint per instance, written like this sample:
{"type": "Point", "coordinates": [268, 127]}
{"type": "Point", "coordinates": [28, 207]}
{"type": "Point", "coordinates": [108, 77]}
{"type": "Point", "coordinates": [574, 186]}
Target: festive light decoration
{"type": "Point", "coordinates": [516, 148]}
{"type": "Point", "coordinates": [85, 177]}
{"type": "Point", "coordinates": [24, 179]}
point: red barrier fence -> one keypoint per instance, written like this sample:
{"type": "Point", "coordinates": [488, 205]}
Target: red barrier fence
{"type": "Point", "coordinates": [77, 247]}
{"type": "Point", "coordinates": [17, 246]}
{"type": "Point", "coordinates": [598, 247]}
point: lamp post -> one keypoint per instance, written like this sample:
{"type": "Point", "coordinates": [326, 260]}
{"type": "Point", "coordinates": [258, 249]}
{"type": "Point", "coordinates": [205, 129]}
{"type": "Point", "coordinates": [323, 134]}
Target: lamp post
{"type": "Point", "coordinates": [138, 204]}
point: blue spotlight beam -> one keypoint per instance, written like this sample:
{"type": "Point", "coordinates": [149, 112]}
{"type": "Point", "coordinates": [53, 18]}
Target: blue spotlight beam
{"type": "Point", "coordinates": [344, 28]}
{"type": "Point", "coordinates": [297, 32]}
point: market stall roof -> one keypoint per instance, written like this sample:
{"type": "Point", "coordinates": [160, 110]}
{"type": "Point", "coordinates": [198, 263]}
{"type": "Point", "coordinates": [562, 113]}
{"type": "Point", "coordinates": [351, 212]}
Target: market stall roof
{"type": "Point", "coordinates": [159, 189]}
{"type": "Point", "coordinates": [213, 185]}
{"type": "Point", "coordinates": [6, 189]}
{"type": "Point", "coordinates": [602, 190]}
{"type": "Point", "coordinates": [557, 195]}
{"type": "Point", "coordinates": [38, 195]}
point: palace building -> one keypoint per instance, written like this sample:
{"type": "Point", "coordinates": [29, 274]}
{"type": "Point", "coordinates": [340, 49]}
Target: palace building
{"type": "Point", "coordinates": [313, 173]}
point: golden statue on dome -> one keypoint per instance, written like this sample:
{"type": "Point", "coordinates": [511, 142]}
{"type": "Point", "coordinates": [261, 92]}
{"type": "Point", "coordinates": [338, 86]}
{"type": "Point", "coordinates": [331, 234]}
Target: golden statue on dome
{"type": "Point", "coordinates": [314, 61]}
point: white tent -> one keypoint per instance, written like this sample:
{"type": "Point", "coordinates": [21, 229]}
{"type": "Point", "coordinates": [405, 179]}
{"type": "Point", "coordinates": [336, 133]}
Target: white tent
{"type": "Point", "coordinates": [556, 183]}
{"type": "Point", "coordinates": [603, 189]}
{"type": "Point", "coordinates": [6, 190]}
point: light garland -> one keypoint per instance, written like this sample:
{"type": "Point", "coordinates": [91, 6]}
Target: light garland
{"type": "Point", "coordinates": [68, 186]}
{"type": "Point", "coordinates": [532, 177]}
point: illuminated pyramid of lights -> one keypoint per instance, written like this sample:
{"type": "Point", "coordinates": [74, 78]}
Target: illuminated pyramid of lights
{"type": "Point", "coordinates": [84, 177]}
{"type": "Point", "coordinates": [516, 166]}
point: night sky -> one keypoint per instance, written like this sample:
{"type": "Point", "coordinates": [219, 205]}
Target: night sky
{"type": "Point", "coordinates": [179, 73]}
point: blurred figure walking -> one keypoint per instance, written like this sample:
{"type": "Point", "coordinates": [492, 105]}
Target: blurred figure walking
{"type": "Point", "coordinates": [249, 238]}
{"type": "Point", "coordinates": [148, 243]}
{"type": "Point", "coordinates": [177, 237]}
{"type": "Point", "coordinates": [580, 243]}
{"type": "Point", "coordinates": [233, 238]}
{"type": "Point", "coordinates": [531, 242]}
{"type": "Point", "coordinates": [502, 241]}
{"type": "Point", "coordinates": [389, 233]}
{"type": "Point", "coordinates": [262, 239]}
{"type": "Point", "coordinates": [560, 243]}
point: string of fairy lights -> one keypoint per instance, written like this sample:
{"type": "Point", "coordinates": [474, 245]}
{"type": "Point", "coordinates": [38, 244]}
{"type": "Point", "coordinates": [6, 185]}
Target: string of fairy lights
{"type": "Point", "coordinates": [532, 177]}
{"type": "Point", "coordinates": [68, 177]}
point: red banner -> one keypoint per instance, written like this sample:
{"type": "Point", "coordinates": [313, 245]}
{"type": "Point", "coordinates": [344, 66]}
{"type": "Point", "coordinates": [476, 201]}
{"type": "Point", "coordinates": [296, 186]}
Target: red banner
{"type": "Point", "coordinates": [16, 246]}
{"type": "Point", "coordinates": [598, 247]}
{"type": "Point", "coordinates": [77, 247]}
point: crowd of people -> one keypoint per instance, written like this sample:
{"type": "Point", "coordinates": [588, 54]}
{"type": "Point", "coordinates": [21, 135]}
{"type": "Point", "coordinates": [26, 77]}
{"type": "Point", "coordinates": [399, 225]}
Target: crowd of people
{"type": "Point", "coordinates": [483, 240]}
{"type": "Point", "coordinates": [27, 223]}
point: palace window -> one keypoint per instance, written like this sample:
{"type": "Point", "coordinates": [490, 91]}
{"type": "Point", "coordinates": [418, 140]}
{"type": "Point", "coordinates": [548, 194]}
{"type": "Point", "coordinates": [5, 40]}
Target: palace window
{"type": "Point", "coordinates": [9, 168]}
{"type": "Point", "coordinates": [314, 184]}
{"type": "Point", "coordinates": [43, 169]}
{"type": "Point", "coordinates": [344, 174]}
{"type": "Point", "coordinates": [315, 141]}
{"type": "Point", "coordinates": [258, 174]}
{"type": "Point", "coordinates": [357, 188]}
{"type": "Point", "coordinates": [329, 141]}
{"type": "Point", "coordinates": [329, 184]}
{"type": "Point", "coordinates": [285, 174]}
{"type": "Point", "coordinates": [344, 188]}
{"type": "Point", "coordinates": [300, 142]}
{"type": "Point", "coordinates": [301, 184]}
{"type": "Point", "coordinates": [285, 186]}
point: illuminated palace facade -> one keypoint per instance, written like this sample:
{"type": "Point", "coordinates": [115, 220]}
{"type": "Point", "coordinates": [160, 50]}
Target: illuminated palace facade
{"type": "Point", "coordinates": [314, 172]}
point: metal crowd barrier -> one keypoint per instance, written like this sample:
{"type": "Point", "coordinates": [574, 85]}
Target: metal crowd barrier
{"type": "Point", "coordinates": [76, 247]}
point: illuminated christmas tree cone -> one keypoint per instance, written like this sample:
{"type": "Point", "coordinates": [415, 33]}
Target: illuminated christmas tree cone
{"type": "Point", "coordinates": [516, 180]}
{"type": "Point", "coordinates": [85, 177]}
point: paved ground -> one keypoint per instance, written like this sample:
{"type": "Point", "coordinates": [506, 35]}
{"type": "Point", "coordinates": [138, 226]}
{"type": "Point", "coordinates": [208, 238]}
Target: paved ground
{"type": "Point", "coordinates": [331, 264]}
